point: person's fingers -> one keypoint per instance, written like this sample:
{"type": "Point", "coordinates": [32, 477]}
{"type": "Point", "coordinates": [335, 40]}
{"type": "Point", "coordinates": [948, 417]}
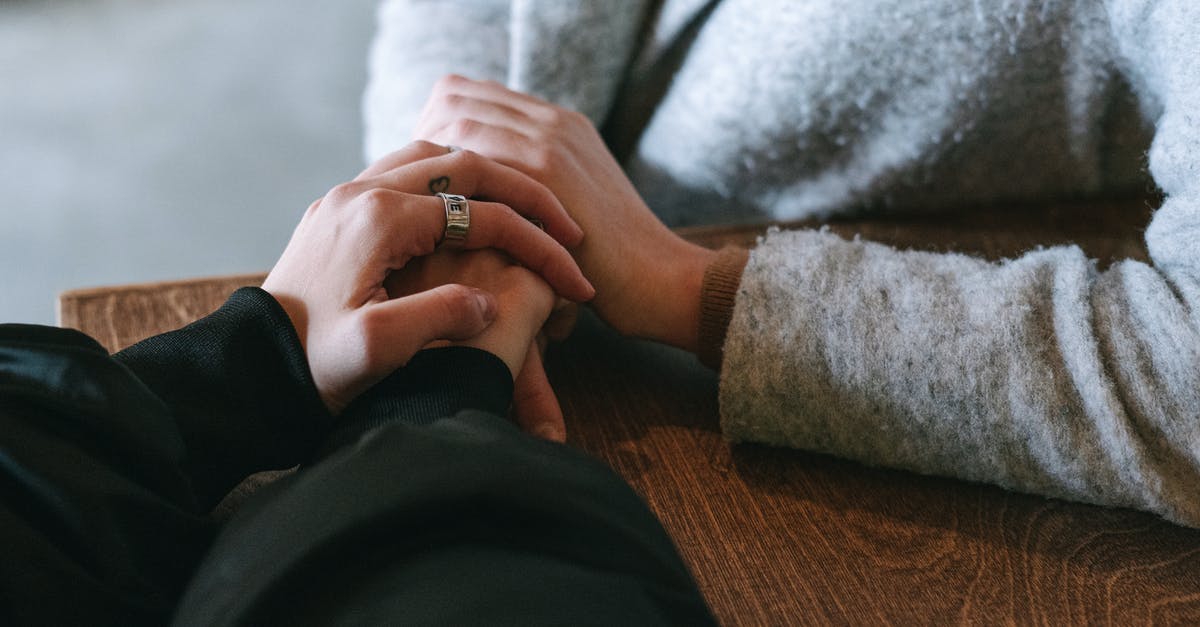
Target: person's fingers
{"type": "Point", "coordinates": [470, 174]}
{"type": "Point", "coordinates": [500, 144]}
{"type": "Point", "coordinates": [451, 107]}
{"type": "Point", "coordinates": [415, 225]}
{"type": "Point", "coordinates": [397, 328]}
{"type": "Point", "coordinates": [491, 91]}
{"type": "Point", "coordinates": [535, 407]}
{"type": "Point", "coordinates": [503, 229]}
{"type": "Point", "coordinates": [414, 151]}
{"type": "Point", "coordinates": [460, 107]}
{"type": "Point", "coordinates": [462, 102]}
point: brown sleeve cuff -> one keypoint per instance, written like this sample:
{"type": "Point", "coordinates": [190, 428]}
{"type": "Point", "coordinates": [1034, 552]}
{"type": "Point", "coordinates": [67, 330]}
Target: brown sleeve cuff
{"type": "Point", "coordinates": [717, 293]}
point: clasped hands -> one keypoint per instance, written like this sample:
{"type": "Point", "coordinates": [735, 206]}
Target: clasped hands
{"type": "Point", "coordinates": [366, 285]}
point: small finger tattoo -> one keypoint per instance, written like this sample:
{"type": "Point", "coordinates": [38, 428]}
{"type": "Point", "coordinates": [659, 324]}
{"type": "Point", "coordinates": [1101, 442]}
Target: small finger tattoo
{"type": "Point", "coordinates": [439, 184]}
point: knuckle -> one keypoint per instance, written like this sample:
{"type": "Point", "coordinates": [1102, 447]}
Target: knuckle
{"type": "Point", "coordinates": [343, 193]}
{"type": "Point", "coordinates": [375, 199]}
{"type": "Point", "coordinates": [375, 207]}
{"type": "Point", "coordinates": [579, 119]}
{"type": "Point", "coordinates": [465, 159]}
{"type": "Point", "coordinates": [554, 117]}
{"type": "Point", "coordinates": [545, 158]}
{"type": "Point", "coordinates": [560, 118]}
{"type": "Point", "coordinates": [422, 146]}
{"type": "Point", "coordinates": [464, 128]}
{"type": "Point", "coordinates": [449, 83]}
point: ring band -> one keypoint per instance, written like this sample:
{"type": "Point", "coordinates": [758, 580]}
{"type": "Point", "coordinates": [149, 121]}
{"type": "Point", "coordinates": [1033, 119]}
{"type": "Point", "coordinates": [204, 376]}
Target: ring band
{"type": "Point", "coordinates": [458, 218]}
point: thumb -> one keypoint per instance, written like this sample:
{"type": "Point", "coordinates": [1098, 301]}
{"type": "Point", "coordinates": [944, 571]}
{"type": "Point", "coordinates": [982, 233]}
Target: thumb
{"type": "Point", "coordinates": [399, 327]}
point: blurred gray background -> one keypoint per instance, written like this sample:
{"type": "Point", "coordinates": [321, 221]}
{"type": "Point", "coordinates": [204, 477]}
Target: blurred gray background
{"type": "Point", "coordinates": [144, 140]}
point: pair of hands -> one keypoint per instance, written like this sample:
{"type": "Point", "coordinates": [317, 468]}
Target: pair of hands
{"type": "Point", "coordinates": [362, 308]}
{"type": "Point", "coordinates": [647, 278]}
{"type": "Point", "coordinates": [365, 290]}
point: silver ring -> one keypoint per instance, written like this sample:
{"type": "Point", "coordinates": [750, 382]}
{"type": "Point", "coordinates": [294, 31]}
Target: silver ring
{"type": "Point", "coordinates": [458, 218]}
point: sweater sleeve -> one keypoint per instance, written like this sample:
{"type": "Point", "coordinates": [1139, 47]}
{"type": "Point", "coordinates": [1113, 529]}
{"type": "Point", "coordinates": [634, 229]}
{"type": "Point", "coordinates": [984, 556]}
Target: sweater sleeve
{"type": "Point", "coordinates": [416, 43]}
{"type": "Point", "coordinates": [419, 41]}
{"type": "Point", "coordinates": [1041, 373]}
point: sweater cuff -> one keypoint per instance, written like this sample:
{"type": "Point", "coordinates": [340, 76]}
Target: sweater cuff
{"type": "Point", "coordinates": [717, 294]}
{"type": "Point", "coordinates": [436, 383]}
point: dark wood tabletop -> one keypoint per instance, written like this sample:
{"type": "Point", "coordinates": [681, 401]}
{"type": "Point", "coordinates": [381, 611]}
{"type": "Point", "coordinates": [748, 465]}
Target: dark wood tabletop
{"type": "Point", "coordinates": [778, 536]}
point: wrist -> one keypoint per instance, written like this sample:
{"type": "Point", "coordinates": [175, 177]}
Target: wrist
{"type": "Point", "coordinates": [676, 297]}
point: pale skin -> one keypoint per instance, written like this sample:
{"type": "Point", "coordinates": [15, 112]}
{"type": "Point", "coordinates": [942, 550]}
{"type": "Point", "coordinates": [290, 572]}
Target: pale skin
{"type": "Point", "coordinates": [524, 302]}
{"type": "Point", "coordinates": [543, 161]}
{"type": "Point", "coordinates": [363, 234]}
{"type": "Point", "coordinates": [647, 279]}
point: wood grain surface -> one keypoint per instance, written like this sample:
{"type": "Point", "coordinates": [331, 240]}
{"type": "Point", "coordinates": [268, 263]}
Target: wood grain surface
{"type": "Point", "coordinates": [786, 537]}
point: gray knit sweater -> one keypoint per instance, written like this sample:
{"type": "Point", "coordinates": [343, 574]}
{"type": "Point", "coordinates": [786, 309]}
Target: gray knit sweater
{"type": "Point", "coordinates": [1038, 373]}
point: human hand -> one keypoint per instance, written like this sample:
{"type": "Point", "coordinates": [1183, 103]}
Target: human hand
{"type": "Point", "coordinates": [330, 278]}
{"type": "Point", "coordinates": [647, 278]}
{"type": "Point", "coordinates": [524, 302]}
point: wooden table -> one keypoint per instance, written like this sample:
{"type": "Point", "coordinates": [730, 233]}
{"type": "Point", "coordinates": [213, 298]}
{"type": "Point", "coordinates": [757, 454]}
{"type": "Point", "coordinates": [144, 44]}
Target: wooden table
{"type": "Point", "coordinates": [781, 536]}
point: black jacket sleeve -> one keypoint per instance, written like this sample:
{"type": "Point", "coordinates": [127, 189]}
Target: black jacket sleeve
{"type": "Point", "coordinates": [98, 520]}
{"type": "Point", "coordinates": [428, 507]}
{"type": "Point", "coordinates": [110, 464]}
{"type": "Point", "coordinates": [461, 522]}
{"type": "Point", "coordinates": [239, 390]}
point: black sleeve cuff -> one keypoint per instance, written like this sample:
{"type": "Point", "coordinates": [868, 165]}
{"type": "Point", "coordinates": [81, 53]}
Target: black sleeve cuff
{"type": "Point", "coordinates": [436, 383]}
{"type": "Point", "coordinates": [238, 384]}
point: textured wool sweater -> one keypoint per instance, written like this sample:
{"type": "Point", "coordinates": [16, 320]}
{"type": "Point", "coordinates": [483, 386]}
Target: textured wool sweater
{"type": "Point", "coordinates": [1038, 373]}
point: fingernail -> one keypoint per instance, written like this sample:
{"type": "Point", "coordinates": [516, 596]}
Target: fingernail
{"type": "Point", "coordinates": [487, 305]}
{"type": "Point", "coordinates": [547, 432]}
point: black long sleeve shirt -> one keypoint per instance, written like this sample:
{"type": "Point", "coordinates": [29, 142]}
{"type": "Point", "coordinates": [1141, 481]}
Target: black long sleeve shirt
{"type": "Point", "coordinates": [110, 465]}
